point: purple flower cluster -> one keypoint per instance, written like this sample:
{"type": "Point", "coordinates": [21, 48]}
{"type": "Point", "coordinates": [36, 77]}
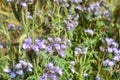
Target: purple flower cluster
{"type": "Point", "coordinates": [94, 8]}
{"type": "Point", "coordinates": [51, 72]}
{"type": "Point", "coordinates": [108, 62]}
{"type": "Point", "coordinates": [111, 48]}
{"type": "Point", "coordinates": [19, 69]}
{"type": "Point", "coordinates": [12, 27]}
{"type": "Point", "coordinates": [71, 21]}
{"type": "Point", "coordinates": [37, 46]}
{"type": "Point", "coordinates": [80, 50]}
{"type": "Point", "coordinates": [50, 45]}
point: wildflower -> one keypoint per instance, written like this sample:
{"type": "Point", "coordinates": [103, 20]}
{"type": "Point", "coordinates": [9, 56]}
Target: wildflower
{"type": "Point", "coordinates": [58, 70]}
{"type": "Point", "coordinates": [1, 46]}
{"type": "Point", "coordinates": [27, 43]}
{"type": "Point", "coordinates": [51, 72]}
{"type": "Point", "coordinates": [19, 69]}
{"type": "Point", "coordinates": [115, 44]}
{"type": "Point", "coordinates": [116, 58]}
{"type": "Point", "coordinates": [62, 46]}
{"type": "Point", "coordinates": [102, 49]}
{"type": "Point", "coordinates": [62, 53]}
{"type": "Point", "coordinates": [19, 72]}
{"type": "Point", "coordinates": [35, 48]}
{"type": "Point", "coordinates": [9, 0]}
{"type": "Point", "coordinates": [58, 39]}
{"type": "Point", "coordinates": [23, 4]}
{"type": "Point", "coordinates": [53, 77]}
{"type": "Point", "coordinates": [109, 63]}
{"type": "Point", "coordinates": [40, 43]}
{"type": "Point", "coordinates": [11, 26]}
{"type": "Point", "coordinates": [97, 78]}
{"type": "Point", "coordinates": [12, 75]}
{"type": "Point", "coordinates": [50, 39]}
{"type": "Point", "coordinates": [110, 50]}
{"type": "Point", "coordinates": [19, 28]}
{"type": "Point", "coordinates": [80, 50]}
{"type": "Point", "coordinates": [44, 77]}
{"type": "Point", "coordinates": [115, 50]}
{"type": "Point", "coordinates": [29, 15]}
{"type": "Point", "coordinates": [49, 49]}
{"type": "Point", "coordinates": [105, 63]}
{"type": "Point", "coordinates": [77, 50]}
{"type": "Point", "coordinates": [57, 46]}
{"type": "Point", "coordinates": [85, 75]}
{"type": "Point", "coordinates": [89, 31]}
{"type": "Point", "coordinates": [72, 63]}
{"type": "Point", "coordinates": [49, 68]}
{"type": "Point", "coordinates": [109, 41]}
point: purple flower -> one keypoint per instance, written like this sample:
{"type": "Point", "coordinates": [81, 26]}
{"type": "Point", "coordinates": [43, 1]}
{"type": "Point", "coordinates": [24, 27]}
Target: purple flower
{"type": "Point", "coordinates": [110, 50]}
{"type": "Point", "coordinates": [109, 41]}
{"type": "Point", "coordinates": [19, 69]}
{"type": "Point", "coordinates": [40, 43]}
{"type": "Point", "coordinates": [19, 72]}
{"type": "Point", "coordinates": [58, 70]}
{"type": "Point", "coordinates": [49, 68]}
{"type": "Point", "coordinates": [35, 48]}
{"type": "Point", "coordinates": [61, 53]}
{"type": "Point", "coordinates": [12, 75]}
{"type": "Point", "coordinates": [57, 46]}
{"type": "Point", "coordinates": [97, 78]}
{"type": "Point", "coordinates": [116, 58]}
{"type": "Point", "coordinates": [29, 67]}
{"type": "Point", "coordinates": [106, 13]}
{"type": "Point", "coordinates": [80, 50]}
{"type": "Point", "coordinates": [50, 39]}
{"type": "Point", "coordinates": [44, 77]}
{"type": "Point", "coordinates": [115, 50]}
{"type": "Point", "coordinates": [109, 63]}
{"type": "Point", "coordinates": [49, 49]}
{"type": "Point", "coordinates": [27, 43]}
{"type": "Point", "coordinates": [115, 44]}
{"type": "Point", "coordinates": [18, 66]}
{"type": "Point", "coordinates": [51, 72]}
{"type": "Point", "coordinates": [105, 63]}
{"type": "Point", "coordinates": [77, 51]}
{"type": "Point", "coordinates": [62, 46]}
{"type": "Point", "coordinates": [58, 39]}
{"type": "Point", "coordinates": [52, 77]}
{"type": "Point", "coordinates": [11, 26]}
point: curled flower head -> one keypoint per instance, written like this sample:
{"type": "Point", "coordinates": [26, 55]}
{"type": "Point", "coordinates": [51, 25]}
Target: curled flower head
{"type": "Point", "coordinates": [51, 72]}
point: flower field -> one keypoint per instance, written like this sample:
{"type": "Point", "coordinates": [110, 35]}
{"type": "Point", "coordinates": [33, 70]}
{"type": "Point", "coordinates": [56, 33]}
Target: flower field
{"type": "Point", "coordinates": [59, 40]}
